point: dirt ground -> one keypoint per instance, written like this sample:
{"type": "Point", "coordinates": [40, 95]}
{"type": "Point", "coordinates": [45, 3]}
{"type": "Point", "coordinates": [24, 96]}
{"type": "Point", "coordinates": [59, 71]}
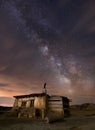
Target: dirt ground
{"type": "Point", "coordinates": [81, 119]}
{"type": "Point", "coordinates": [71, 123]}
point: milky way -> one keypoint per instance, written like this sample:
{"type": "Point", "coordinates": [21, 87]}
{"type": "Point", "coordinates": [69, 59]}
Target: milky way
{"type": "Point", "coordinates": [48, 41]}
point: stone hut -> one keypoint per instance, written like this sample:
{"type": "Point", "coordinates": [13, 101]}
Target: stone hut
{"type": "Point", "coordinates": [41, 106]}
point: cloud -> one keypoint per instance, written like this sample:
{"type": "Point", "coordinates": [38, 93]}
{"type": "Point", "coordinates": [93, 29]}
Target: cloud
{"type": "Point", "coordinates": [6, 101]}
{"type": "Point", "coordinates": [3, 85]}
{"type": "Point", "coordinates": [3, 68]}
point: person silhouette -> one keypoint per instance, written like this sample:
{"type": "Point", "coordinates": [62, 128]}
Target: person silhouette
{"type": "Point", "coordinates": [44, 90]}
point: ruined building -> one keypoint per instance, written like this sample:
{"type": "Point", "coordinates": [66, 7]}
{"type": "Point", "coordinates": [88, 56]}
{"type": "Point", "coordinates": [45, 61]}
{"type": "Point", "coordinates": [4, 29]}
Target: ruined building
{"type": "Point", "coordinates": [41, 106]}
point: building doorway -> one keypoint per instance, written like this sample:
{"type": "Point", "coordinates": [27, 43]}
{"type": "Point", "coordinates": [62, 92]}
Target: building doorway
{"type": "Point", "coordinates": [38, 113]}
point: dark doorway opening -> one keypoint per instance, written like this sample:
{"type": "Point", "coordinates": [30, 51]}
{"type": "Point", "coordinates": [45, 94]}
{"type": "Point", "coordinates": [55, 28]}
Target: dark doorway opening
{"type": "Point", "coordinates": [32, 103]}
{"type": "Point", "coordinates": [38, 113]}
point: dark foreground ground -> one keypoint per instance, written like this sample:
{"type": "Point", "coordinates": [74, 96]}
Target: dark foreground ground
{"type": "Point", "coordinates": [72, 123]}
{"type": "Point", "coordinates": [82, 118]}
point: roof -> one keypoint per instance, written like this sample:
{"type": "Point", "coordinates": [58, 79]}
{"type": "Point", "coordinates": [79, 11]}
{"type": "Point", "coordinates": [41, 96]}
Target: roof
{"type": "Point", "coordinates": [39, 95]}
{"type": "Point", "coordinates": [30, 95]}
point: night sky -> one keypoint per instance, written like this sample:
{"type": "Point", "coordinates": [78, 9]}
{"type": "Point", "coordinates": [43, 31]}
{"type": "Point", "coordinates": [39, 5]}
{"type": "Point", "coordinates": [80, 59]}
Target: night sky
{"type": "Point", "coordinates": [50, 41]}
